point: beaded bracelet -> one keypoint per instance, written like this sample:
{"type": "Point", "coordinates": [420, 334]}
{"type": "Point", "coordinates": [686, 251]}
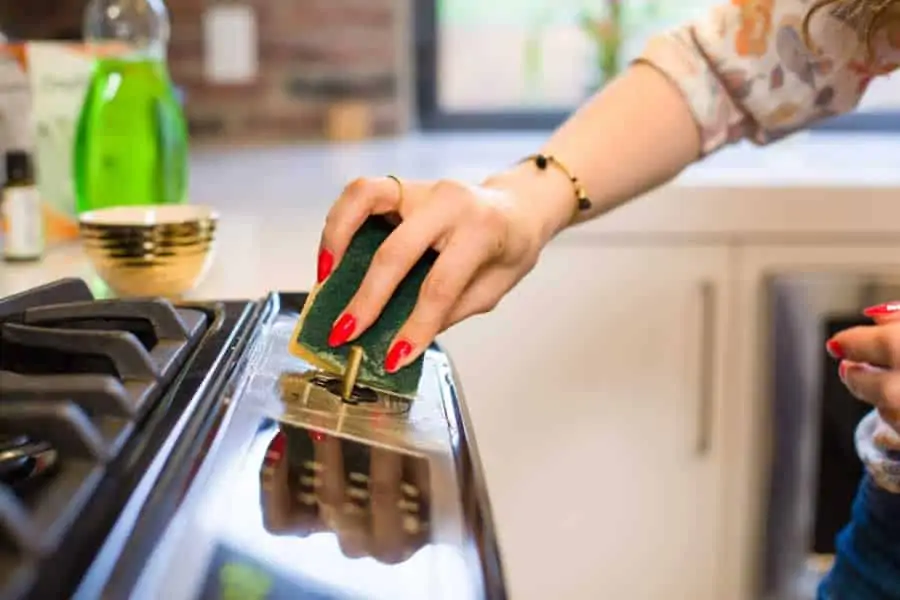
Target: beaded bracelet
{"type": "Point", "coordinates": [542, 161]}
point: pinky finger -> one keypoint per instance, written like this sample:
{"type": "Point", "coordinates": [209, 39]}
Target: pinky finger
{"type": "Point", "coordinates": [481, 297]}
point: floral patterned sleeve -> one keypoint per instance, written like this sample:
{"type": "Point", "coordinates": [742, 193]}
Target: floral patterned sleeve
{"type": "Point", "coordinates": [747, 72]}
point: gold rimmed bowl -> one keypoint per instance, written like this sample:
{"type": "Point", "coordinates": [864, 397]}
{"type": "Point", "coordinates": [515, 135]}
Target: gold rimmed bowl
{"type": "Point", "coordinates": [156, 251]}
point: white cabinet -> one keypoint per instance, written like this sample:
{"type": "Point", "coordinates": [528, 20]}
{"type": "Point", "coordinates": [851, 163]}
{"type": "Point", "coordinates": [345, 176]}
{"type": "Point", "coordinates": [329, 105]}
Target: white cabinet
{"type": "Point", "coordinates": [745, 417]}
{"type": "Point", "coordinates": [600, 379]}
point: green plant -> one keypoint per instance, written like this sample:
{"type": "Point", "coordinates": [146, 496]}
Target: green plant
{"type": "Point", "coordinates": [611, 25]}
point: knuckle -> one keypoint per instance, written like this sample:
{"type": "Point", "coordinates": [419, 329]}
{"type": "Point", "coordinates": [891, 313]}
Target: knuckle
{"type": "Point", "coordinates": [388, 257]}
{"type": "Point", "coordinates": [356, 187]}
{"type": "Point", "coordinates": [439, 290]}
{"type": "Point", "coordinates": [489, 305]}
{"type": "Point", "coordinates": [485, 305]}
{"type": "Point", "coordinates": [446, 188]}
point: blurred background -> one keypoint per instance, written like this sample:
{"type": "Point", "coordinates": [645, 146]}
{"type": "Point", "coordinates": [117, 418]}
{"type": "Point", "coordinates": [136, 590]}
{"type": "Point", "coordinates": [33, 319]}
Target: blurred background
{"type": "Point", "coordinates": [709, 455]}
{"type": "Point", "coordinates": [294, 70]}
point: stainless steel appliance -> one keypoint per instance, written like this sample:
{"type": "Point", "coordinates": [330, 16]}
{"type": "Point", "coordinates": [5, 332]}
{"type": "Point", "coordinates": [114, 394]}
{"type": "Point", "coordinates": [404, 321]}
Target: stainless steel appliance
{"type": "Point", "coordinates": [154, 450]}
{"type": "Point", "coordinates": [814, 470]}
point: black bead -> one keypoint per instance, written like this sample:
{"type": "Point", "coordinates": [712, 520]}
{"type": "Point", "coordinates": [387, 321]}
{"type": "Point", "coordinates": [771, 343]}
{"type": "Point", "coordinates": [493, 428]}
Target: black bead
{"type": "Point", "coordinates": [584, 203]}
{"type": "Point", "coordinates": [541, 161]}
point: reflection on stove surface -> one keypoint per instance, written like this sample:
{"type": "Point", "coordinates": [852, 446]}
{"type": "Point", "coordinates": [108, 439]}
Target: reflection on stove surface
{"type": "Point", "coordinates": [307, 495]}
{"type": "Point", "coordinates": [315, 392]}
{"type": "Point", "coordinates": [374, 499]}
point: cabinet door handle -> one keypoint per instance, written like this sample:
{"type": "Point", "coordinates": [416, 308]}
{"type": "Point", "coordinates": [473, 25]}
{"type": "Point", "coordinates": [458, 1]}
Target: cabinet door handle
{"type": "Point", "coordinates": [707, 367]}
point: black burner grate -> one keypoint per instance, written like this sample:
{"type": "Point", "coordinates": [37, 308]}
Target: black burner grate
{"type": "Point", "coordinates": [76, 377]}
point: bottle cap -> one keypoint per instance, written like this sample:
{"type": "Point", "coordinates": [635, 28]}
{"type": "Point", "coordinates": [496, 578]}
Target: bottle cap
{"type": "Point", "coordinates": [18, 166]}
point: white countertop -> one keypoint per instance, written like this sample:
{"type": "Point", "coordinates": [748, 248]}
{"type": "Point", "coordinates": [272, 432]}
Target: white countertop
{"type": "Point", "coordinates": [273, 201]}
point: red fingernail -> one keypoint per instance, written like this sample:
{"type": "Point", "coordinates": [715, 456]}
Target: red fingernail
{"type": "Point", "coordinates": [882, 310]}
{"type": "Point", "coordinates": [842, 371]}
{"type": "Point", "coordinates": [276, 448]}
{"type": "Point", "coordinates": [342, 330]}
{"type": "Point", "coordinates": [326, 263]}
{"type": "Point", "coordinates": [834, 349]}
{"type": "Point", "coordinates": [399, 351]}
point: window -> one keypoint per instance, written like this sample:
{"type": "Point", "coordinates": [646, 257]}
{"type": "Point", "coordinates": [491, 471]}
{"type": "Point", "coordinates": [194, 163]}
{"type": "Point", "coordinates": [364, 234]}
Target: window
{"type": "Point", "coordinates": [528, 63]}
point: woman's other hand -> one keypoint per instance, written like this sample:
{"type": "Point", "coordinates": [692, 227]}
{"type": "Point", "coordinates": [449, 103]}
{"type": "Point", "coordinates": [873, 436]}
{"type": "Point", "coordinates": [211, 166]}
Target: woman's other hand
{"type": "Point", "coordinates": [870, 367]}
{"type": "Point", "coordinates": [487, 238]}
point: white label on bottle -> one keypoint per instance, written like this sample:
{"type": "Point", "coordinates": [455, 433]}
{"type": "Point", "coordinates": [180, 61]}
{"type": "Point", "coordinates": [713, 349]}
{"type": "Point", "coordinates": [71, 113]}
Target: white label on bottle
{"type": "Point", "coordinates": [230, 52]}
{"type": "Point", "coordinates": [24, 223]}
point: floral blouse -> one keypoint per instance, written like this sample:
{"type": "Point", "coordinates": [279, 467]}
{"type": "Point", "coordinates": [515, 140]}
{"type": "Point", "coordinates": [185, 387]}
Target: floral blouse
{"type": "Point", "coordinates": [747, 72]}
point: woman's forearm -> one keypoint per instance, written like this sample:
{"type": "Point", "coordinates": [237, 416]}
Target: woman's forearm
{"type": "Point", "coordinates": [695, 89]}
{"type": "Point", "coordinates": [634, 135]}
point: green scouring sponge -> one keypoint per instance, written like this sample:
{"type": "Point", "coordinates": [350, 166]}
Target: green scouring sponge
{"type": "Point", "coordinates": [330, 298]}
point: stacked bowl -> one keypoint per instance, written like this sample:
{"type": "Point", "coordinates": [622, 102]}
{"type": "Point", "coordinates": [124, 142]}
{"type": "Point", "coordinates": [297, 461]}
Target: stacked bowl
{"type": "Point", "coordinates": [150, 251]}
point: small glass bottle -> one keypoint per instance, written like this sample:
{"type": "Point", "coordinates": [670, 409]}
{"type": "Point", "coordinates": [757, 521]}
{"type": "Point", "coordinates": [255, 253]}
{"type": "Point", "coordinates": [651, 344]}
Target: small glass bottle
{"type": "Point", "coordinates": [22, 210]}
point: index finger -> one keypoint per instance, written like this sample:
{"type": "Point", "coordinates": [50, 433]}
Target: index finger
{"type": "Point", "coordinates": [359, 200]}
{"type": "Point", "coordinates": [884, 313]}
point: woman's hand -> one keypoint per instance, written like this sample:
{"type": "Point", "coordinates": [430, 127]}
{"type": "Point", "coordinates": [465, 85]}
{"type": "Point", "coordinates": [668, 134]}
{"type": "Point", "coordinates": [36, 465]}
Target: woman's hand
{"type": "Point", "coordinates": [870, 367]}
{"type": "Point", "coordinates": [487, 238]}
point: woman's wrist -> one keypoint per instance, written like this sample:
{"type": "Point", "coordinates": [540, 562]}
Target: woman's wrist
{"type": "Point", "coordinates": [546, 197]}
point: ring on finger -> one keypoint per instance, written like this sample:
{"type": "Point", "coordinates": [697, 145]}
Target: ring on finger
{"type": "Point", "coordinates": [399, 187]}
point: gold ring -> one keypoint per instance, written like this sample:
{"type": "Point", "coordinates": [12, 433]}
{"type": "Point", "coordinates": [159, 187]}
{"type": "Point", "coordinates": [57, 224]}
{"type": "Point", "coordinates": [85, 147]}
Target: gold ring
{"type": "Point", "coordinates": [399, 185]}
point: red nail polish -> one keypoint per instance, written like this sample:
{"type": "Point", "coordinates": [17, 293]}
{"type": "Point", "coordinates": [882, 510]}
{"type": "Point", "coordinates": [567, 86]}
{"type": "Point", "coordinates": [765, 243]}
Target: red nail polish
{"type": "Point", "coordinates": [842, 370]}
{"type": "Point", "coordinates": [276, 448]}
{"type": "Point", "coordinates": [326, 264]}
{"type": "Point", "coordinates": [342, 330]}
{"type": "Point", "coordinates": [399, 351]}
{"type": "Point", "coordinates": [882, 310]}
{"type": "Point", "coordinates": [834, 349]}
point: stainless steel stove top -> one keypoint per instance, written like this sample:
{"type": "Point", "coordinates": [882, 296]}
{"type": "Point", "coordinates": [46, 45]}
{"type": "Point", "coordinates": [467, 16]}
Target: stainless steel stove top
{"type": "Point", "coordinates": [157, 450]}
{"type": "Point", "coordinates": [305, 495]}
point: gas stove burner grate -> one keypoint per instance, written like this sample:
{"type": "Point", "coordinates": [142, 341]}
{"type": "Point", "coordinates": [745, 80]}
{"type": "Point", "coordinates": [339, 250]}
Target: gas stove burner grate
{"type": "Point", "coordinates": [24, 461]}
{"type": "Point", "coordinates": [77, 376]}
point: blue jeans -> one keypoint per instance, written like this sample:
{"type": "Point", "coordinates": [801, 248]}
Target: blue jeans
{"type": "Point", "coordinates": [867, 566]}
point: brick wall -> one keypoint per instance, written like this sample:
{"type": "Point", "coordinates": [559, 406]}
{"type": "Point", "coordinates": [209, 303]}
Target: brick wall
{"type": "Point", "coordinates": [313, 55]}
{"type": "Point", "coordinates": [41, 19]}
